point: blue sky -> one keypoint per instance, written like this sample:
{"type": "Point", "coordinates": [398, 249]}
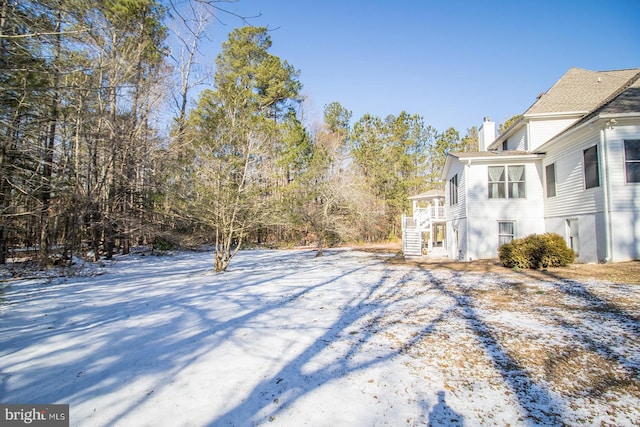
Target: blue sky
{"type": "Point", "coordinates": [452, 62]}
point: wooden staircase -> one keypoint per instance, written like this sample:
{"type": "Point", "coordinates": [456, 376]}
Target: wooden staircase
{"type": "Point", "coordinates": [412, 241]}
{"type": "Point", "coordinates": [426, 222]}
{"type": "Point", "coordinates": [411, 237]}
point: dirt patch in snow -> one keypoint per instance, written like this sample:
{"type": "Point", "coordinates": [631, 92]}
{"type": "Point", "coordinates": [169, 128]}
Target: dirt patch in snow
{"type": "Point", "coordinates": [618, 272]}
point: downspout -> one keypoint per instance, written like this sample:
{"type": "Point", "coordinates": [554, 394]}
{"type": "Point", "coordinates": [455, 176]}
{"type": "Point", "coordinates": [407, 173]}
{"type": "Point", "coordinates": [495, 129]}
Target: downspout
{"type": "Point", "coordinates": [466, 210]}
{"type": "Point", "coordinates": [604, 149]}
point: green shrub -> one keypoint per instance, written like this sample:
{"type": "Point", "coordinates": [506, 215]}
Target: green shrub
{"type": "Point", "coordinates": [556, 253]}
{"type": "Point", "coordinates": [163, 244]}
{"type": "Point", "coordinates": [535, 251]}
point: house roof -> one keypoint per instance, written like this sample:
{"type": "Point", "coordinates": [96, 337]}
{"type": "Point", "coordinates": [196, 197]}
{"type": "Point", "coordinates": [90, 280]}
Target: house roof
{"type": "Point", "coordinates": [628, 101]}
{"type": "Point", "coordinates": [624, 102]}
{"type": "Point", "coordinates": [580, 90]}
{"type": "Point", "coordinates": [431, 194]}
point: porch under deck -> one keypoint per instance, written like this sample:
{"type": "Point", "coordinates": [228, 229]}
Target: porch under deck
{"type": "Point", "coordinates": [423, 234]}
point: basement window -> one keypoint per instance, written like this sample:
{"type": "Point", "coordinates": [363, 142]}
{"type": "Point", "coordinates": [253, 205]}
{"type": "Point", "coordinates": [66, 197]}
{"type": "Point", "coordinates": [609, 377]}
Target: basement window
{"type": "Point", "coordinates": [506, 232]}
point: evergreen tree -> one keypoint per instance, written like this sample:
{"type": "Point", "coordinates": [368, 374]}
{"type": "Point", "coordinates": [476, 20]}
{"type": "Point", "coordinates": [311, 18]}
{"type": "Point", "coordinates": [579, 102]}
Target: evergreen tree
{"type": "Point", "coordinates": [231, 134]}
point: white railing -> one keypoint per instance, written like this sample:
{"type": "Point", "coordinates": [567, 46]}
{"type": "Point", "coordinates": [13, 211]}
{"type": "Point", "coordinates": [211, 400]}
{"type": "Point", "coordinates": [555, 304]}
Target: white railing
{"type": "Point", "coordinates": [411, 236]}
{"type": "Point", "coordinates": [409, 222]}
{"type": "Point", "coordinates": [424, 215]}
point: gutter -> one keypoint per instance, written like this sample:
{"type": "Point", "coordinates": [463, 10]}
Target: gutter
{"type": "Point", "coordinates": [498, 157]}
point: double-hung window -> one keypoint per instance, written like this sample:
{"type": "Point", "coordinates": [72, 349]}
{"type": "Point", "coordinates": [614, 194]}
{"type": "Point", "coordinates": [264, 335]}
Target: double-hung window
{"type": "Point", "coordinates": [507, 181]}
{"type": "Point", "coordinates": [517, 183]}
{"type": "Point", "coordinates": [591, 167]}
{"type": "Point", "coordinates": [632, 160]}
{"type": "Point", "coordinates": [497, 182]}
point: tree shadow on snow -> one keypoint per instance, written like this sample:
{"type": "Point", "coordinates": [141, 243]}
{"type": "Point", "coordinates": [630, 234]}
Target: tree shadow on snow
{"type": "Point", "coordinates": [93, 342]}
{"type": "Point", "coordinates": [157, 329]}
{"type": "Point", "coordinates": [366, 313]}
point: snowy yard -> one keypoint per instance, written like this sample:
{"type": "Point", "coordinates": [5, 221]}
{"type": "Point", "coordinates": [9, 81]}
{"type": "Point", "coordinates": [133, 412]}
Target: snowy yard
{"type": "Point", "coordinates": [285, 338]}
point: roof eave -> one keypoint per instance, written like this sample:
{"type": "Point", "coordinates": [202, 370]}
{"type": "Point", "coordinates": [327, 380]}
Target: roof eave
{"type": "Point", "coordinates": [532, 156]}
{"type": "Point", "coordinates": [558, 114]}
{"type": "Point", "coordinates": [598, 117]}
{"type": "Point", "coordinates": [508, 133]}
{"type": "Point", "coordinates": [447, 166]}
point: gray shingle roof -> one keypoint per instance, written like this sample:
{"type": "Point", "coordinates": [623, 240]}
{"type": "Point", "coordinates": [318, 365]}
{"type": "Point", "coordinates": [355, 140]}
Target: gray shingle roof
{"type": "Point", "coordinates": [581, 90]}
{"type": "Point", "coordinates": [627, 102]}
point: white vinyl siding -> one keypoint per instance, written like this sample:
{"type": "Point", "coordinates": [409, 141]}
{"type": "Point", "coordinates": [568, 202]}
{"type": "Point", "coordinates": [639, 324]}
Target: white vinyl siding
{"type": "Point", "coordinates": [519, 140]}
{"type": "Point", "coordinates": [541, 131]}
{"type": "Point", "coordinates": [516, 142]}
{"type": "Point", "coordinates": [624, 196]}
{"type": "Point", "coordinates": [456, 210]}
{"type": "Point", "coordinates": [484, 213]}
{"type": "Point", "coordinates": [572, 201]}
{"type": "Point", "coordinates": [571, 197]}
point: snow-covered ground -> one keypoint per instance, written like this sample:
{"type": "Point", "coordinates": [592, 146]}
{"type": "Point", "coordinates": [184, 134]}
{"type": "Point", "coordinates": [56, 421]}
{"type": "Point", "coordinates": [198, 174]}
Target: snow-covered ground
{"type": "Point", "coordinates": [347, 339]}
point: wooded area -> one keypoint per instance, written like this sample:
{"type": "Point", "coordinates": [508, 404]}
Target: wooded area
{"type": "Point", "coordinates": [100, 150]}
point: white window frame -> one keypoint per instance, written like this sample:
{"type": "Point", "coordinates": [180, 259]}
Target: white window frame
{"type": "Point", "coordinates": [502, 236]}
{"type": "Point", "coordinates": [453, 190]}
{"type": "Point", "coordinates": [521, 183]}
{"type": "Point", "coordinates": [627, 162]}
{"type": "Point", "coordinates": [550, 185]}
{"type": "Point", "coordinates": [497, 183]}
{"type": "Point", "coordinates": [504, 188]}
{"type": "Point", "coordinates": [591, 168]}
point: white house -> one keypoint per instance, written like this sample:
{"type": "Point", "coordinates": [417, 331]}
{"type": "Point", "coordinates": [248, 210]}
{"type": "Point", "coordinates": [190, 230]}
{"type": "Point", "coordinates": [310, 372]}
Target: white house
{"type": "Point", "coordinates": [570, 165]}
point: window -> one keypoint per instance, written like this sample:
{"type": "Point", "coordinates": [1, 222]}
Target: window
{"type": "Point", "coordinates": [453, 190]}
{"type": "Point", "coordinates": [506, 232]}
{"type": "Point", "coordinates": [505, 145]}
{"type": "Point", "coordinates": [550, 172]}
{"type": "Point", "coordinates": [517, 183]}
{"type": "Point", "coordinates": [591, 168]}
{"type": "Point", "coordinates": [514, 180]}
{"type": "Point", "coordinates": [496, 182]}
{"type": "Point", "coordinates": [632, 160]}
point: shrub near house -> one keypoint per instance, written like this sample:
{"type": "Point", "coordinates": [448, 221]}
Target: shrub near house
{"type": "Point", "coordinates": [535, 251]}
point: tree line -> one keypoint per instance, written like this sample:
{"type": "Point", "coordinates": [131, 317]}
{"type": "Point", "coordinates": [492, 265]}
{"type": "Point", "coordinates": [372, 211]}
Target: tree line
{"type": "Point", "coordinates": [100, 150]}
